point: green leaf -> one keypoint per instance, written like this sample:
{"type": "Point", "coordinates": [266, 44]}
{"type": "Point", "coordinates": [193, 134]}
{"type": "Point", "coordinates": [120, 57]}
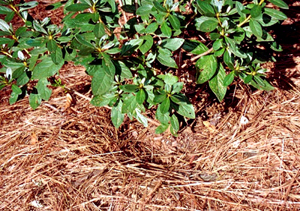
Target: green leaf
{"type": "Point", "coordinates": [129, 47]}
{"type": "Point", "coordinates": [34, 100]}
{"type": "Point", "coordinates": [141, 118]}
{"type": "Point", "coordinates": [99, 30]}
{"type": "Point", "coordinates": [255, 11]}
{"type": "Point", "coordinates": [165, 58]}
{"type": "Point", "coordinates": [144, 10]}
{"type": "Point", "coordinates": [52, 46]}
{"type": "Point", "coordinates": [165, 105]}
{"type": "Point", "coordinates": [205, 8]}
{"type": "Point", "coordinates": [172, 44]}
{"type": "Point", "coordinates": [159, 7]}
{"type": "Point", "coordinates": [218, 44]}
{"type": "Point", "coordinates": [101, 100]}
{"type": "Point", "coordinates": [125, 71]}
{"type": "Point", "coordinates": [23, 79]}
{"type": "Point", "coordinates": [275, 14]}
{"type": "Point", "coordinates": [38, 27]}
{"type": "Point", "coordinates": [82, 41]}
{"type": "Point", "coordinates": [129, 104]}
{"type": "Point", "coordinates": [216, 84]}
{"type": "Point", "coordinates": [279, 3]}
{"type": "Point", "coordinates": [78, 7]}
{"type": "Point", "coordinates": [57, 56]}
{"type": "Point", "coordinates": [169, 78]}
{"type": "Point", "coordinates": [46, 68]}
{"type": "Point", "coordinates": [161, 128]}
{"type": "Point", "coordinates": [102, 81]}
{"type": "Point", "coordinates": [147, 45]}
{"type": "Point", "coordinates": [186, 110]}
{"type": "Point", "coordinates": [129, 88]}
{"type": "Point", "coordinates": [4, 26]}
{"type": "Point", "coordinates": [151, 28]}
{"type": "Point", "coordinates": [175, 122]}
{"type": "Point", "coordinates": [112, 3]}
{"type": "Point", "coordinates": [165, 29]}
{"type": "Point", "coordinates": [228, 59]}
{"type": "Point", "coordinates": [255, 28]}
{"type": "Point", "coordinates": [43, 90]}
{"type": "Point", "coordinates": [117, 117]}
{"type": "Point", "coordinates": [5, 10]}
{"type": "Point", "coordinates": [229, 78]}
{"type": "Point", "coordinates": [16, 91]}
{"type": "Point", "coordinates": [174, 21]}
{"type": "Point", "coordinates": [141, 96]}
{"type": "Point", "coordinates": [163, 118]}
{"type": "Point", "coordinates": [194, 47]}
{"type": "Point", "coordinates": [207, 65]}
{"type": "Point", "coordinates": [37, 42]}
{"type": "Point", "coordinates": [206, 24]}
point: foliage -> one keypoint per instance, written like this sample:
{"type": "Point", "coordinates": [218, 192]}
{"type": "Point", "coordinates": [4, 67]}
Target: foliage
{"type": "Point", "coordinates": [131, 63]}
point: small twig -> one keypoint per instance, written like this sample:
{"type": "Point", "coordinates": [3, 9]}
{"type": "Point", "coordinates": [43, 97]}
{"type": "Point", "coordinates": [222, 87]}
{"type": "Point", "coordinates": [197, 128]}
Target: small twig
{"type": "Point", "coordinates": [198, 56]}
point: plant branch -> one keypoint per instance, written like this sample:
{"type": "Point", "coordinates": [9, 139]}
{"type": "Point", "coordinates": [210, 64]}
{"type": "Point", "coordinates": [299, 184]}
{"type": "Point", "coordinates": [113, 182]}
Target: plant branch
{"type": "Point", "coordinates": [198, 56]}
{"type": "Point", "coordinates": [248, 18]}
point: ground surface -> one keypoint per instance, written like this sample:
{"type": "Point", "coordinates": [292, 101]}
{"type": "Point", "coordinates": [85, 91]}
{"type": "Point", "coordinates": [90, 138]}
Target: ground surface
{"type": "Point", "coordinates": [243, 154]}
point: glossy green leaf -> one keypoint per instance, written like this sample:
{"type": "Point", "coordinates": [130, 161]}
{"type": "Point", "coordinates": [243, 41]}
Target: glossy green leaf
{"type": "Point", "coordinates": [159, 7]}
{"type": "Point", "coordinates": [175, 23]}
{"type": "Point", "coordinates": [165, 105]}
{"type": "Point", "coordinates": [166, 30]}
{"type": "Point", "coordinates": [194, 47]}
{"type": "Point", "coordinates": [275, 14]}
{"type": "Point", "coordinates": [206, 24]}
{"type": "Point", "coordinates": [102, 81]}
{"type": "Point", "coordinates": [141, 118]}
{"type": "Point", "coordinates": [218, 44]}
{"type": "Point", "coordinates": [57, 56]}
{"type": "Point", "coordinates": [165, 58]}
{"type": "Point", "coordinates": [172, 44]}
{"type": "Point", "coordinates": [229, 78]}
{"type": "Point", "coordinates": [117, 117]}
{"type": "Point", "coordinates": [161, 128]}
{"type": "Point", "coordinates": [144, 10]}
{"type": "Point", "coordinates": [83, 41]}
{"type": "Point", "coordinates": [279, 3]}
{"type": "Point", "coordinates": [175, 123]}
{"type": "Point", "coordinates": [46, 68]}
{"type": "Point", "coordinates": [205, 8]}
{"type": "Point", "coordinates": [4, 26]}
{"type": "Point", "coordinates": [207, 65]}
{"type": "Point", "coordinates": [43, 90]}
{"type": "Point", "coordinates": [228, 59]}
{"type": "Point", "coordinates": [129, 88]}
{"type": "Point", "coordinates": [147, 45]}
{"type": "Point", "coordinates": [34, 100]}
{"type": "Point", "coordinates": [16, 91]}
{"type": "Point", "coordinates": [255, 28]}
{"type": "Point", "coordinates": [255, 11]}
{"type": "Point", "coordinates": [141, 96]}
{"type": "Point", "coordinates": [99, 30]}
{"type": "Point", "coordinates": [216, 84]}
{"type": "Point", "coordinates": [5, 10]}
{"type": "Point", "coordinates": [151, 28]}
{"type": "Point", "coordinates": [186, 110]}
{"type": "Point", "coordinates": [77, 7]}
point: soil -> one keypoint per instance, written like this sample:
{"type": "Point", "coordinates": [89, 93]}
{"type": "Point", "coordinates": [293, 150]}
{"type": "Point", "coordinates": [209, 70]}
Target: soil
{"type": "Point", "coordinates": [241, 154]}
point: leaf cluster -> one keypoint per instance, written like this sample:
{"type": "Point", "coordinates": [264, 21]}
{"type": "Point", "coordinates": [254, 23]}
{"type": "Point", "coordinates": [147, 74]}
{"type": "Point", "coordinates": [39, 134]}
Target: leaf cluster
{"type": "Point", "coordinates": [132, 63]}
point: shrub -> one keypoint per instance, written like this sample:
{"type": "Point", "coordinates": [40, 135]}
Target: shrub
{"type": "Point", "coordinates": [135, 63]}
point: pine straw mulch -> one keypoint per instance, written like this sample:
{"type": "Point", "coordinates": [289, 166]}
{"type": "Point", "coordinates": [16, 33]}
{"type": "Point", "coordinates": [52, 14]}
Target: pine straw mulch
{"type": "Point", "coordinates": [54, 158]}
